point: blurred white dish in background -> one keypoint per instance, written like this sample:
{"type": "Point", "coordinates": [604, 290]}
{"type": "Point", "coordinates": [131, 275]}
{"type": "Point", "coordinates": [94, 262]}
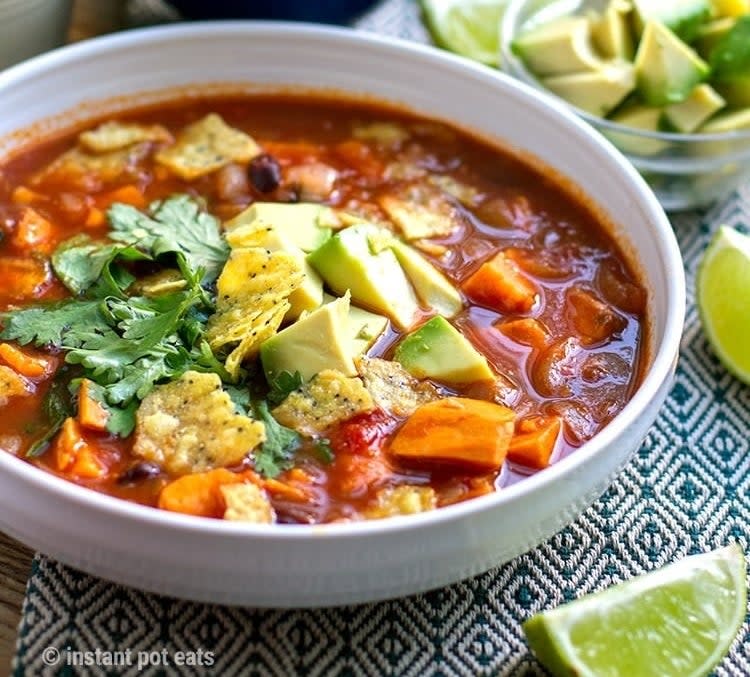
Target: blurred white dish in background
{"type": "Point", "coordinates": [30, 27]}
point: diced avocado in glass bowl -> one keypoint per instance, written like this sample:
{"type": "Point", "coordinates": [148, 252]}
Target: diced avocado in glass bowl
{"type": "Point", "coordinates": [666, 81]}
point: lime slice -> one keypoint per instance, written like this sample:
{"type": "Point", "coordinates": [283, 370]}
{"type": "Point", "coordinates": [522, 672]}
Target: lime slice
{"type": "Point", "coordinates": [677, 621]}
{"type": "Point", "coordinates": [723, 295]}
{"type": "Point", "coordinates": [470, 28]}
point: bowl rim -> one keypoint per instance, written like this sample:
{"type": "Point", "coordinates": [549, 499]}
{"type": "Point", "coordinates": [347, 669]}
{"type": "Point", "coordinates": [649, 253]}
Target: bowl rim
{"type": "Point", "coordinates": [664, 352]}
{"type": "Point", "coordinates": [515, 67]}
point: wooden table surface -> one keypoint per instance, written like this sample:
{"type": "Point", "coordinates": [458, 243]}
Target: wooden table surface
{"type": "Point", "coordinates": [15, 559]}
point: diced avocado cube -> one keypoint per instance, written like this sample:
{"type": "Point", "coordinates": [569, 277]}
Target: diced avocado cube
{"type": "Point", "coordinates": [432, 288]}
{"type": "Point", "coordinates": [727, 122]}
{"type": "Point", "coordinates": [637, 116]}
{"type": "Point", "coordinates": [376, 280]}
{"type": "Point", "coordinates": [735, 90]}
{"type": "Point", "coordinates": [364, 329]}
{"type": "Point", "coordinates": [691, 113]}
{"type": "Point", "coordinates": [709, 35]}
{"type": "Point", "coordinates": [318, 341]}
{"type": "Point", "coordinates": [683, 17]}
{"type": "Point", "coordinates": [611, 31]}
{"type": "Point", "coordinates": [731, 8]}
{"type": "Point", "coordinates": [309, 295]}
{"type": "Point", "coordinates": [307, 225]}
{"type": "Point", "coordinates": [558, 47]}
{"type": "Point", "coordinates": [667, 69]}
{"type": "Point", "coordinates": [597, 92]}
{"type": "Point", "coordinates": [730, 63]}
{"type": "Point", "coordinates": [437, 350]}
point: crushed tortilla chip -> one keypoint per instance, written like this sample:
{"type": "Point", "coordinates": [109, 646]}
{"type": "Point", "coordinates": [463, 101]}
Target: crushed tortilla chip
{"type": "Point", "coordinates": [12, 384]}
{"type": "Point", "coordinates": [205, 146]}
{"type": "Point", "coordinates": [88, 170]}
{"type": "Point", "coordinates": [111, 136]}
{"type": "Point", "coordinates": [407, 499]}
{"type": "Point", "coordinates": [420, 211]}
{"type": "Point", "coordinates": [384, 133]}
{"type": "Point", "coordinates": [190, 425]}
{"type": "Point", "coordinates": [165, 281]}
{"type": "Point", "coordinates": [465, 194]}
{"type": "Point", "coordinates": [247, 503]}
{"type": "Point", "coordinates": [393, 388]}
{"type": "Point", "coordinates": [330, 397]}
{"type": "Point", "coordinates": [252, 293]}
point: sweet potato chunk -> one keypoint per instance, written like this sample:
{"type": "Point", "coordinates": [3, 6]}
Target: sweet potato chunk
{"type": "Point", "coordinates": [199, 494]}
{"type": "Point", "coordinates": [534, 441]}
{"type": "Point", "coordinates": [594, 320]}
{"type": "Point", "coordinates": [23, 363]}
{"type": "Point", "coordinates": [500, 284]}
{"type": "Point", "coordinates": [527, 331]}
{"type": "Point", "coordinates": [456, 431]}
{"type": "Point", "coordinates": [33, 232]}
{"type": "Point", "coordinates": [91, 413]}
{"type": "Point", "coordinates": [74, 455]}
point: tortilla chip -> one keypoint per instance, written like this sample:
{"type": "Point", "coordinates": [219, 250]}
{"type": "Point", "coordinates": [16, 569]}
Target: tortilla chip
{"type": "Point", "coordinates": [330, 397]}
{"type": "Point", "coordinates": [393, 388]}
{"type": "Point", "coordinates": [247, 503]}
{"type": "Point", "coordinates": [407, 499]}
{"type": "Point", "coordinates": [12, 384]}
{"type": "Point", "coordinates": [87, 170]}
{"type": "Point", "coordinates": [190, 425]}
{"type": "Point", "coordinates": [420, 211]}
{"type": "Point", "coordinates": [252, 293]}
{"type": "Point", "coordinates": [111, 136]}
{"type": "Point", "coordinates": [205, 146]}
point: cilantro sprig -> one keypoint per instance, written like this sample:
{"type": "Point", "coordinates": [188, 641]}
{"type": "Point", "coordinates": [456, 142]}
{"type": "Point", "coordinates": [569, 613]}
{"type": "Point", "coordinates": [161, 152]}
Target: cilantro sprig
{"type": "Point", "coordinates": [126, 344]}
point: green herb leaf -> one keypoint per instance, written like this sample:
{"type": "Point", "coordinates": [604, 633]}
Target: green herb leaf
{"type": "Point", "coordinates": [240, 398]}
{"type": "Point", "coordinates": [57, 406]}
{"type": "Point", "coordinates": [731, 55]}
{"type": "Point", "coordinates": [121, 419]}
{"type": "Point", "coordinates": [80, 262]}
{"type": "Point", "coordinates": [177, 225]}
{"type": "Point", "coordinates": [48, 325]}
{"type": "Point", "coordinates": [276, 453]}
{"type": "Point", "coordinates": [324, 450]}
{"type": "Point", "coordinates": [282, 384]}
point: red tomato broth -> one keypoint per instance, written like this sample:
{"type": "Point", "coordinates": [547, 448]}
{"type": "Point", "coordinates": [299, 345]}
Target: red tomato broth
{"type": "Point", "coordinates": [557, 240]}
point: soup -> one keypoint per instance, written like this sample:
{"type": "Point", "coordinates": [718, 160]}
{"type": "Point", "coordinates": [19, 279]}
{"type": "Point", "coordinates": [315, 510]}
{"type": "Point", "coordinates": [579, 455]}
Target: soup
{"type": "Point", "coordinates": [302, 310]}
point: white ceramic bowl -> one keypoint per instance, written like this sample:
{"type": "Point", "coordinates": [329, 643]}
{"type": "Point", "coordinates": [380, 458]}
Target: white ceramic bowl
{"type": "Point", "coordinates": [340, 563]}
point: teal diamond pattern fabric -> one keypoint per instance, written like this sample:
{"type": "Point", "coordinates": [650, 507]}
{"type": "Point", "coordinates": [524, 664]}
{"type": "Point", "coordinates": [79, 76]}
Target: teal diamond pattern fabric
{"type": "Point", "coordinates": [686, 490]}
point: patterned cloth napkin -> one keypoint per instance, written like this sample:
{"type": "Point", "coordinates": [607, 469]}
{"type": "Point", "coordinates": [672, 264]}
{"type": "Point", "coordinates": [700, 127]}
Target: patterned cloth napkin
{"type": "Point", "coordinates": [687, 490]}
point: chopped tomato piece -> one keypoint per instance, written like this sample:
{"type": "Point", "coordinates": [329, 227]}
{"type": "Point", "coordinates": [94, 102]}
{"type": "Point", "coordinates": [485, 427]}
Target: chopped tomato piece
{"type": "Point", "coordinates": [535, 440]}
{"type": "Point", "coordinates": [91, 413]}
{"type": "Point", "coordinates": [500, 284]}
{"type": "Point", "coordinates": [362, 434]}
{"type": "Point", "coordinates": [359, 156]}
{"type": "Point", "coordinates": [74, 455]}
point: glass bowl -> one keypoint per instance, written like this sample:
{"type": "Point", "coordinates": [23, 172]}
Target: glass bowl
{"type": "Point", "coordinates": [684, 170]}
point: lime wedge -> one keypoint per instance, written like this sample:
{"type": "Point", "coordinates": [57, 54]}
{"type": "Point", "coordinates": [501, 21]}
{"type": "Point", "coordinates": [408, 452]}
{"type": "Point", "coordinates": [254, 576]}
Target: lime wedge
{"type": "Point", "coordinates": [470, 28]}
{"type": "Point", "coordinates": [677, 621]}
{"type": "Point", "coordinates": [723, 296]}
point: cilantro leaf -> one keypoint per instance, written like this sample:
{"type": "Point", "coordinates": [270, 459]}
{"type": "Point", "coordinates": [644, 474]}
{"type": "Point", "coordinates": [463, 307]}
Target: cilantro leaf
{"type": "Point", "coordinates": [57, 406]}
{"type": "Point", "coordinates": [324, 450]}
{"type": "Point", "coordinates": [240, 398]}
{"type": "Point", "coordinates": [275, 454]}
{"type": "Point", "coordinates": [80, 262]}
{"type": "Point", "coordinates": [177, 225]}
{"type": "Point", "coordinates": [282, 384]}
{"type": "Point", "coordinates": [47, 325]}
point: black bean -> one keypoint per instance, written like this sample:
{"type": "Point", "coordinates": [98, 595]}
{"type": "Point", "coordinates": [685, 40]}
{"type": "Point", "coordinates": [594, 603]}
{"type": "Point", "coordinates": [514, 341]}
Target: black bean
{"type": "Point", "coordinates": [143, 470]}
{"type": "Point", "coordinates": [265, 173]}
